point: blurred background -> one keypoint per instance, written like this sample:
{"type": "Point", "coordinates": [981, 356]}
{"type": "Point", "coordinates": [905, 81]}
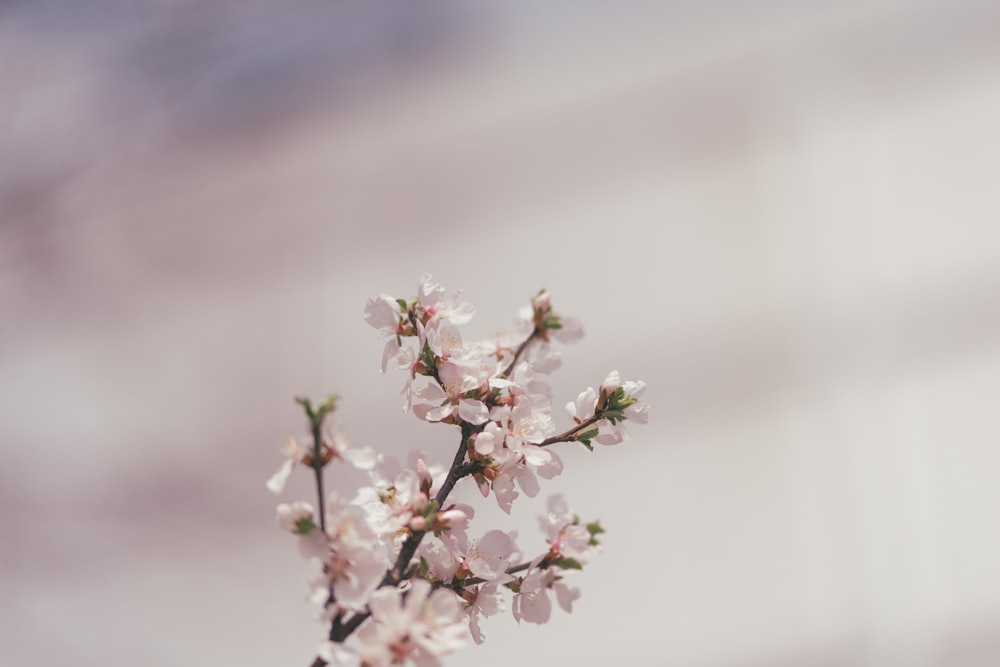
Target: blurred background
{"type": "Point", "coordinates": [781, 215]}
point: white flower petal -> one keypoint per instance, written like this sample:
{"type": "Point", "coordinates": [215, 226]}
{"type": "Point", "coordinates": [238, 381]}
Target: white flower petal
{"type": "Point", "coordinates": [473, 411]}
{"type": "Point", "coordinates": [277, 482]}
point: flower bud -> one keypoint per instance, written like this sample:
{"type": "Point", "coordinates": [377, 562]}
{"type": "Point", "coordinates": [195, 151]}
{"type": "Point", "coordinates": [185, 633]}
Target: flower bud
{"type": "Point", "coordinates": [542, 303]}
{"type": "Point", "coordinates": [608, 387]}
{"type": "Point", "coordinates": [451, 518]}
{"type": "Point", "coordinates": [419, 503]}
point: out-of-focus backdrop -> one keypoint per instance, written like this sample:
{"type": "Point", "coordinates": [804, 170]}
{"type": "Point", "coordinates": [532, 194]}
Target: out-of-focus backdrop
{"type": "Point", "coordinates": [782, 215]}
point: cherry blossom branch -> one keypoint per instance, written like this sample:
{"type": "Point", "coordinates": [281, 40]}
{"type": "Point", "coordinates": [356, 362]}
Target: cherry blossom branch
{"type": "Point", "coordinates": [455, 473]}
{"type": "Point", "coordinates": [319, 458]}
{"type": "Point", "coordinates": [339, 629]}
{"type": "Point", "coordinates": [510, 570]}
{"type": "Point", "coordinates": [570, 435]}
{"type": "Point", "coordinates": [503, 423]}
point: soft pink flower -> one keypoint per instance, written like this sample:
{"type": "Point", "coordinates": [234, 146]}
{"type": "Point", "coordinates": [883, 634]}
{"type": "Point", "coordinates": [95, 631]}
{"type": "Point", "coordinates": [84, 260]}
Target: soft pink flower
{"type": "Point", "coordinates": [383, 313]}
{"type": "Point", "coordinates": [483, 601]}
{"type": "Point", "coordinates": [532, 602]}
{"type": "Point", "coordinates": [489, 556]}
{"type": "Point", "coordinates": [583, 408]}
{"type": "Point", "coordinates": [334, 446]}
{"type": "Point", "coordinates": [449, 398]}
{"type": "Point", "coordinates": [422, 627]}
{"type": "Point", "coordinates": [431, 298]}
{"type": "Point", "coordinates": [566, 536]}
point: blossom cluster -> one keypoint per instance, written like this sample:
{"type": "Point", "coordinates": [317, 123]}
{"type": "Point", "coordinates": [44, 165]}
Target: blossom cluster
{"type": "Point", "coordinates": [401, 577]}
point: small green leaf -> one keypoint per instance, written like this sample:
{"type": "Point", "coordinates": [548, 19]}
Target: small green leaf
{"type": "Point", "coordinates": [317, 414]}
{"type": "Point", "coordinates": [614, 415]}
{"type": "Point", "coordinates": [566, 563]}
{"type": "Point", "coordinates": [431, 509]}
{"type": "Point", "coordinates": [588, 434]}
{"type": "Point", "coordinates": [307, 406]}
{"type": "Point", "coordinates": [595, 529]}
{"type": "Point", "coordinates": [427, 356]}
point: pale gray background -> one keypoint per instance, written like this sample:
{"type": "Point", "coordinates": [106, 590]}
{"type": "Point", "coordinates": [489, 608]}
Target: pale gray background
{"type": "Point", "coordinates": [782, 215]}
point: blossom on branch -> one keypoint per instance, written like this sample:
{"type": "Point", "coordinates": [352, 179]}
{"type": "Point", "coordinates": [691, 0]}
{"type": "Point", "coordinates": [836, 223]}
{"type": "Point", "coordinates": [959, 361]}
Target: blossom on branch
{"type": "Point", "coordinates": [399, 580]}
{"type": "Point", "coordinates": [417, 625]}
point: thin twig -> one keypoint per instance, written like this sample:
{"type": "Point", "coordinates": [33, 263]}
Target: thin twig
{"type": "Point", "coordinates": [317, 428]}
{"type": "Point", "coordinates": [510, 570]}
{"type": "Point", "coordinates": [570, 435]}
{"type": "Point", "coordinates": [535, 333]}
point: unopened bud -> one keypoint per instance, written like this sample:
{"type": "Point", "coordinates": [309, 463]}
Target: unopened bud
{"type": "Point", "coordinates": [542, 303]}
{"type": "Point", "coordinates": [610, 384]}
{"type": "Point", "coordinates": [453, 518]}
{"type": "Point", "coordinates": [419, 503]}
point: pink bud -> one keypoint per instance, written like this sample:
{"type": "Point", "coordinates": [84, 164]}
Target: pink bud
{"type": "Point", "coordinates": [610, 384]}
{"type": "Point", "coordinates": [452, 518]}
{"type": "Point", "coordinates": [419, 502]}
{"type": "Point", "coordinates": [543, 302]}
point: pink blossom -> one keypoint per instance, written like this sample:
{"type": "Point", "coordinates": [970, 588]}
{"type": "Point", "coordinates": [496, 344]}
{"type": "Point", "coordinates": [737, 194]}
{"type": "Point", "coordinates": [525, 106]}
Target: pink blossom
{"type": "Point", "coordinates": [457, 379]}
{"type": "Point", "coordinates": [504, 492]}
{"type": "Point", "coordinates": [489, 556]}
{"type": "Point", "coordinates": [490, 439]}
{"type": "Point", "coordinates": [334, 446]}
{"type": "Point", "coordinates": [565, 595]}
{"type": "Point", "coordinates": [356, 562]}
{"type": "Point", "coordinates": [482, 601]}
{"type": "Point", "coordinates": [295, 454]}
{"type": "Point", "coordinates": [570, 332]}
{"type": "Point", "coordinates": [431, 298]}
{"type": "Point", "coordinates": [566, 536]}
{"type": "Point", "coordinates": [383, 313]}
{"type": "Point", "coordinates": [531, 603]}
{"type": "Point", "coordinates": [444, 339]}
{"type": "Point", "coordinates": [583, 408]}
{"type": "Point", "coordinates": [422, 626]}
{"type": "Point", "coordinates": [337, 654]}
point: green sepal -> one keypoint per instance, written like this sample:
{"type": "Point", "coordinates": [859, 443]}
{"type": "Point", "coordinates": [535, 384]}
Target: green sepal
{"type": "Point", "coordinates": [595, 529]}
{"type": "Point", "coordinates": [617, 402]}
{"type": "Point", "coordinates": [566, 563]}
{"type": "Point", "coordinates": [586, 435]}
{"type": "Point", "coordinates": [427, 356]}
{"type": "Point", "coordinates": [317, 414]}
{"type": "Point", "coordinates": [304, 526]}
